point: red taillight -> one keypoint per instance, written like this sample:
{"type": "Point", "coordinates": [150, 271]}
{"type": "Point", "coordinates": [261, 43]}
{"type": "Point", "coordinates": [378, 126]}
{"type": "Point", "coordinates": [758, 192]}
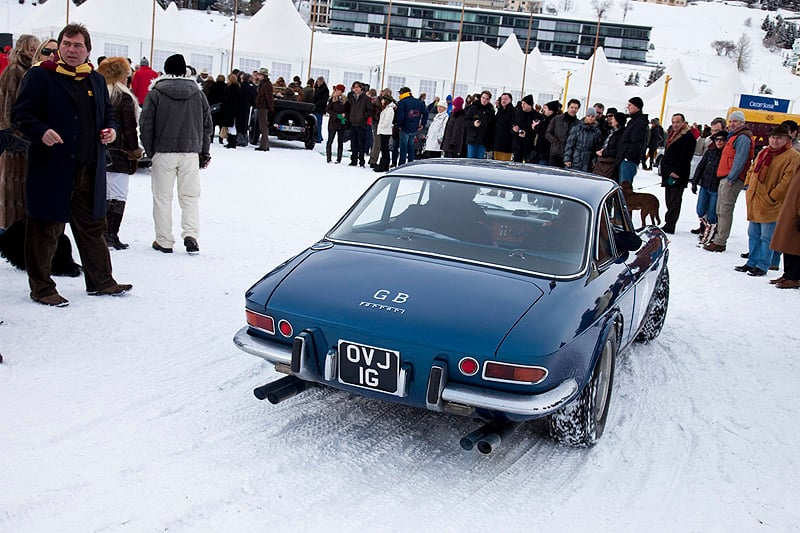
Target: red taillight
{"type": "Point", "coordinates": [468, 366]}
{"type": "Point", "coordinates": [528, 375]}
{"type": "Point", "coordinates": [262, 322]}
{"type": "Point", "coordinates": [285, 328]}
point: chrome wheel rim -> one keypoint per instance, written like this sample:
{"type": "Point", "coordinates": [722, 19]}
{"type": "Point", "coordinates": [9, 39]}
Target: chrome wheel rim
{"type": "Point", "coordinates": [602, 381]}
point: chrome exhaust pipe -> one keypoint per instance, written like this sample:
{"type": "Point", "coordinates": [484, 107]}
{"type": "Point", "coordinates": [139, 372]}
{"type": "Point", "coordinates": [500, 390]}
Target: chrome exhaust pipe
{"type": "Point", "coordinates": [492, 439]}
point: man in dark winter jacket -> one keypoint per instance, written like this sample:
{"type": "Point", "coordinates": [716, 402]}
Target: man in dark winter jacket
{"type": "Point", "coordinates": [558, 131]}
{"type": "Point", "coordinates": [503, 128]}
{"type": "Point", "coordinates": [676, 169]}
{"type": "Point", "coordinates": [63, 108]}
{"type": "Point", "coordinates": [479, 126]}
{"type": "Point", "coordinates": [359, 113]}
{"type": "Point", "coordinates": [175, 127]}
{"type": "Point", "coordinates": [634, 139]}
{"type": "Point", "coordinates": [411, 115]}
{"type": "Point", "coordinates": [321, 95]}
{"type": "Point", "coordinates": [525, 119]}
{"type": "Point", "coordinates": [265, 107]}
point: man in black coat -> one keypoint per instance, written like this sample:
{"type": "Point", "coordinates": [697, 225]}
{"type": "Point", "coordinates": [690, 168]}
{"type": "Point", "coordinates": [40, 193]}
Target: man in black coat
{"type": "Point", "coordinates": [633, 142]}
{"type": "Point", "coordinates": [63, 107]}
{"type": "Point", "coordinates": [676, 169]}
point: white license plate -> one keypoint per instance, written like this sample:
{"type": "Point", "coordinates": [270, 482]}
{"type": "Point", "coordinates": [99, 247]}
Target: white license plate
{"type": "Point", "coordinates": [294, 129]}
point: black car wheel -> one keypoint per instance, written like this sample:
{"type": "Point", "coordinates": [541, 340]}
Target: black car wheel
{"type": "Point", "coordinates": [583, 421]}
{"type": "Point", "coordinates": [657, 310]}
{"type": "Point", "coordinates": [290, 118]}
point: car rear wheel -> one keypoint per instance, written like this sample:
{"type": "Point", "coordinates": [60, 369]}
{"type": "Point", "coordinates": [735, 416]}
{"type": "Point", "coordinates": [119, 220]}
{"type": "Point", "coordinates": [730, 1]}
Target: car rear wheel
{"type": "Point", "coordinates": [583, 421]}
{"type": "Point", "coordinates": [657, 310]}
{"type": "Point", "coordinates": [290, 118]}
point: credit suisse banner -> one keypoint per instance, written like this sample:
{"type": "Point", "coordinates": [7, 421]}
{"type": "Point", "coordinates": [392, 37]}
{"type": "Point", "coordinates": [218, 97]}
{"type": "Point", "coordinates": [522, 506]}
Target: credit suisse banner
{"type": "Point", "coordinates": [763, 103]}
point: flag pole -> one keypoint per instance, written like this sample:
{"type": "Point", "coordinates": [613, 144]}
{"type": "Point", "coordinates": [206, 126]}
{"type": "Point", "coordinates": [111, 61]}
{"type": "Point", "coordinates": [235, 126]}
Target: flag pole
{"type": "Point", "coordinates": [458, 48]}
{"type": "Point", "coordinates": [386, 43]}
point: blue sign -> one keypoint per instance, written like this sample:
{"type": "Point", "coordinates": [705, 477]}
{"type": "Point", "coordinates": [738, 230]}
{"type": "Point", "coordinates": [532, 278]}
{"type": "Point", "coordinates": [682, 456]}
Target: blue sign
{"type": "Point", "coordinates": [763, 103]}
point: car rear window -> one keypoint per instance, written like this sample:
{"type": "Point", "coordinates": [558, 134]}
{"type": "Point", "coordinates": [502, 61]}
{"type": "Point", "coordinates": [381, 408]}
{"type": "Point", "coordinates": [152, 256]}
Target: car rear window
{"type": "Point", "coordinates": [522, 230]}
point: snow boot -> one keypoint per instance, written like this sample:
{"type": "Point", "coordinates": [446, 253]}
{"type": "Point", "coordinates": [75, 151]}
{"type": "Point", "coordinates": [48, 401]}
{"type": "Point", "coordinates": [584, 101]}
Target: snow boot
{"type": "Point", "coordinates": [701, 229]}
{"type": "Point", "coordinates": [114, 211]}
{"type": "Point", "coordinates": [708, 235]}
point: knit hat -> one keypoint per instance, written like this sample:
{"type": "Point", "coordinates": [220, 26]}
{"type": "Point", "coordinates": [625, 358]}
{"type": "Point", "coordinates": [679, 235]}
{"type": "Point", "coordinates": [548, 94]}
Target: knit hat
{"type": "Point", "coordinates": [458, 103]}
{"type": "Point", "coordinates": [528, 99]}
{"type": "Point", "coordinates": [637, 102]}
{"type": "Point", "coordinates": [175, 65]}
{"type": "Point", "coordinates": [736, 115]}
{"type": "Point", "coordinates": [553, 105]}
{"type": "Point", "coordinates": [441, 104]}
{"type": "Point", "coordinates": [449, 98]}
{"type": "Point", "coordinates": [339, 88]}
{"type": "Point", "coordinates": [144, 62]}
{"type": "Point", "coordinates": [622, 118]}
{"type": "Point", "coordinates": [114, 69]}
{"type": "Point", "coordinates": [591, 112]}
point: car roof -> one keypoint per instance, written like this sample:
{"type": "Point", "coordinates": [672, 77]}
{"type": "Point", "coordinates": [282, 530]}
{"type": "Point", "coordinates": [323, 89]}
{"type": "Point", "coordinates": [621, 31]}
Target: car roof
{"type": "Point", "coordinates": [587, 187]}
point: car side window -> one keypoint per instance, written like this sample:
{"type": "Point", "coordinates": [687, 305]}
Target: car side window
{"type": "Point", "coordinates": [604, 250]}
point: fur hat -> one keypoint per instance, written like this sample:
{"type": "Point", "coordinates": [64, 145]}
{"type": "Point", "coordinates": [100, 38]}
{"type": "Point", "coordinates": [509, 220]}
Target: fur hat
{"type": "Point", "coordinates": [637, 102]}
{"type": "Point", "coordinates": [458, 103]}
{"type": "Point", "coordinates": [340, 87]}
{"type": "Point", "coordinates": [144, 63]}
{"type": "Point", "coordinates": [528, 99]}
{"type": "Point", "coordinates": [622, 118]}
{"type": "Point", "coordinates": [736, 115]}
{"type": "Point", "coordinates": [115, 69]}
{"type": "Point", "coordinates": [175, 65]}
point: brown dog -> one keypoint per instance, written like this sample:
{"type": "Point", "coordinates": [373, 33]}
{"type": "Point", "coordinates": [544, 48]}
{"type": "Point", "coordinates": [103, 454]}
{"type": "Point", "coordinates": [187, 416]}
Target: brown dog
{"type": "Point", "coordinates": [646, 203]}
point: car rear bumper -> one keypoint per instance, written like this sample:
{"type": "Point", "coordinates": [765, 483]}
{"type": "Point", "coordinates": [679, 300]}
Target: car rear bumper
{"type": "Point", "coordinates": [441, 396]}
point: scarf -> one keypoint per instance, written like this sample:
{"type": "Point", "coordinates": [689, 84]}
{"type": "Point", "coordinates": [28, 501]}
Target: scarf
{"type": "Point", "coordinates": [77, 73]}
{"type": "Point", "coordinates": [765, 158]}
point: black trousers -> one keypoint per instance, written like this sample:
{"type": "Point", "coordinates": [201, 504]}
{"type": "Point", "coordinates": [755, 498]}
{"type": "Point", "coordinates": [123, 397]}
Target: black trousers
{"type": "Point", "coordinates": [340, 143]}
{"type": "Point", "coordinates": [358, 143]}
{"type": "Point", "coordinates": [791, 266]}
{"type": "Point", "coordinates": [674, 198]}
{"type": "Point", "coordinates": [383, 164]}
{"type": "Point", "coordinates": [41, 239]}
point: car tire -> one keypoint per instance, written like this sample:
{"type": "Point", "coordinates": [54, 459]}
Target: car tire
{"type": "Point", "coordinates": [583, 421]}
{"type": "Point", "coordinates": [292, 117]}
{"type": "Point", "coordinates": [310, 144]}
{"type": "Point", "coordinates": [656, 310]}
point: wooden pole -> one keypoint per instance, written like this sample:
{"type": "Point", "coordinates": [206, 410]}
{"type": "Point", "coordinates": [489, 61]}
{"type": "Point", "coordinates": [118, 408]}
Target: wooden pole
{"type": "Point", "coordinates": [566, 89]}
{"type": "Point", "coordinates": [458, 49]}
{"type": "Point", "coordinates": [233, 41]}
{"type": "Point", "coordinates": [386, 44]}
{"type": "Point", "coordinates": [667, 79]}
{"type": "Point", "coordinates": [527, 51]}
{"type": "Point", "coordinates": [68, 3]}
{"type": "Point", "coordinates": [594, 57]}
{"type": "Point", "coordinates": [313, 31]}
{"type": "Point", "coordinates": [153, 34]}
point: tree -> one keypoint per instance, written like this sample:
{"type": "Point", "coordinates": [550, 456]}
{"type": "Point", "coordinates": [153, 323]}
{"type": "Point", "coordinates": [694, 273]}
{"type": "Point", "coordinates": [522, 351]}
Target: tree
{"type": "Point", "coordinates": [744, 53]}
{"type": "Point", "coordinates": [601, 6]}
{"type": "Point", "coordinates": [626, 5]}
{"type": "Point", "coordinates": [654, 75]}
{"type": "Point", "coordinates": [764, 89]}
{"type": "Point", "coordinates": [723, 47]}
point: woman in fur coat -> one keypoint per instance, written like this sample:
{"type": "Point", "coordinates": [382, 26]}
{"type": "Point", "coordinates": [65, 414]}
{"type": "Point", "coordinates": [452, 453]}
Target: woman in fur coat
{"type": "Point", "coordinates": [124, 151]}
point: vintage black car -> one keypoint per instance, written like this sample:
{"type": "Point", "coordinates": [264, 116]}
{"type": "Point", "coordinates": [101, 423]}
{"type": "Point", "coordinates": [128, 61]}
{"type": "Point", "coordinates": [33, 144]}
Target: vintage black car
{"type": "Point", "coordinates": [294, 121]}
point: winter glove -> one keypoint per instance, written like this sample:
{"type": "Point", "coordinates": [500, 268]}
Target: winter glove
{"type": "Point", "coordinates": [694, 188]}
{"type": "Point", "coordinates": [12, 143]}
{"type": "Point", "coordinates": [205, 159]}
{"type": "Point", "coordinates": [134, 155]}
{"type": "Point", "coordinates": [341, 118]}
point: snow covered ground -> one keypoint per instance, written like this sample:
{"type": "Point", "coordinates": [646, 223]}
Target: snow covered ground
{"type": "Point", "coordinates": [136, 413]}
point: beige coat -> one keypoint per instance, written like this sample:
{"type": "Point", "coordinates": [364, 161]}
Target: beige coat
{"type": "Point", "coordinates": [13, 167]}
{"type": "Point", "coordinates": [764, 199]}
{"type": "Point", "coordinates": [786, 238]}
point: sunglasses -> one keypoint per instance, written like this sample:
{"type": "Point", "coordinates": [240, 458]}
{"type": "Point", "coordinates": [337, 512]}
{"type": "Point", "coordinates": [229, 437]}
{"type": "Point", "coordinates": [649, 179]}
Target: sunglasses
{"type": "Point", "coordinates": [48, 51]}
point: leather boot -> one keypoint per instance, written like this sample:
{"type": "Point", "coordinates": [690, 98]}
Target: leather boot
{"type": "Point", "coordinates": [708, 234]}
{"type": "Point", "coordinates": [702, 228]}
{"type": "Point", "coordinates": [114, 211]}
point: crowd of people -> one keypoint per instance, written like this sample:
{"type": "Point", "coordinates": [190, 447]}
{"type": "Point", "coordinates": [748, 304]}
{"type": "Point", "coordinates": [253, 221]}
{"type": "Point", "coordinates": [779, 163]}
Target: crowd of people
{"type": "Point", "coordinates": [77, 171]}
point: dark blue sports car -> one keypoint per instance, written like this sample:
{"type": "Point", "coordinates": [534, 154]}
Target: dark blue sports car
{"type": "Point", "coordinates": [497, 291]}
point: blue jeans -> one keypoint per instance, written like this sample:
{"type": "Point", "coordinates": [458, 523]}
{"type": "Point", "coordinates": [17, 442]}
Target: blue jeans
{"type": "Point", "coordinates": [476, 151]}
{"type": "Point", "coordinates": [627, 170]}
{"type": "Point", "coordinates": [406, 147]}
{"type": "Point", "coordinates": [759, 235]}
{"type": "Point", "coordinates": [707, 205]}
{"type": "Point", "coordinates": [319, 127]}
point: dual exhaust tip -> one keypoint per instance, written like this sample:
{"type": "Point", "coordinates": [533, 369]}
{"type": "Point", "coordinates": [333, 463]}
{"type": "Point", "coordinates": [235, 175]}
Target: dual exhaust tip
{"type": "Point", "coordinates": [486, 438]}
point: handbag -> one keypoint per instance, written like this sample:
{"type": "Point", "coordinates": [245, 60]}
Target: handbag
{"type": "Point", "coordinates": [215, 108]}
{"type": "Point", "coordinates": [232, 130]}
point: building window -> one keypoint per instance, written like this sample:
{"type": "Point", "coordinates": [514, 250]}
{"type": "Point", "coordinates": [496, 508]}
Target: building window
{"type": "Point", "coordinates": [395, 82]}
{"type": "Point", "coordinates": [324, 72]}
{"type": "Point", "coordinates": [115, 50]}
{"type": "Point", "coordinates": [283, 70]}
{"type": "Point", "coordinates": [351, 77]}
{"type": "Point", "coordinates": [428, 87]}
{"type": "Point", "coordinates": [248, 65]}
{"type": "Point", "coordinates": [202, 61]}
{"type": "Point", "coordinates": [462, 89]}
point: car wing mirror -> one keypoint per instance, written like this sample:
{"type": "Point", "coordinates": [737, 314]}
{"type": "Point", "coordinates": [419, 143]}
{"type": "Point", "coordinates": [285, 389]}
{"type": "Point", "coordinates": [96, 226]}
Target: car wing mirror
{"type": "Point", "coordinates": [627, 241]}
